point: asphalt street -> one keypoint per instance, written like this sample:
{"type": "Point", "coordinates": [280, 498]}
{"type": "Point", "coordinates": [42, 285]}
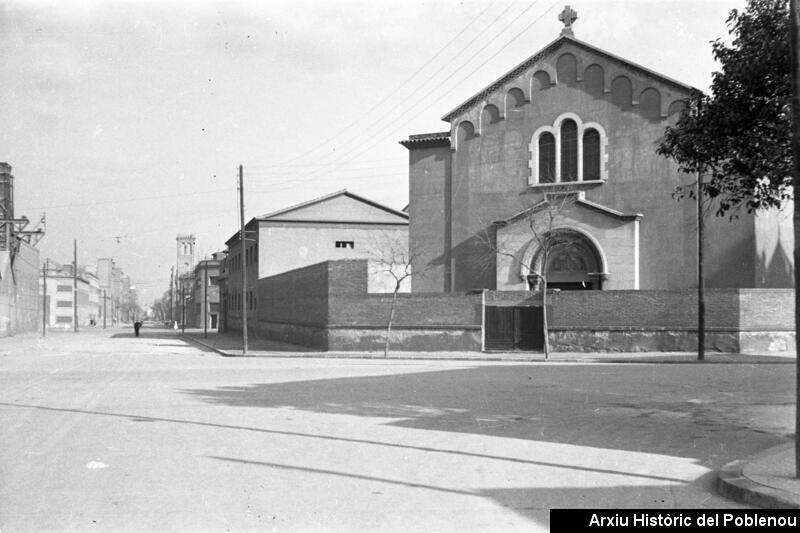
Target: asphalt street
{"type": "Point", "coordinates": [103, 431]}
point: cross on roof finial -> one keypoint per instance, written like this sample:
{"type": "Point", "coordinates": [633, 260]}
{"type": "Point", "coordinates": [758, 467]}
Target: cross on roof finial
{"type": "Point", "coordinates": [568, 16]}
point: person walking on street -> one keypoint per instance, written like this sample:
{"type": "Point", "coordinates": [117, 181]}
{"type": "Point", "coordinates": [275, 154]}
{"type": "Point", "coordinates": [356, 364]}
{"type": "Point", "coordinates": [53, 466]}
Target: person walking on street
{"type": "Point", "coordinates": [136, 327]}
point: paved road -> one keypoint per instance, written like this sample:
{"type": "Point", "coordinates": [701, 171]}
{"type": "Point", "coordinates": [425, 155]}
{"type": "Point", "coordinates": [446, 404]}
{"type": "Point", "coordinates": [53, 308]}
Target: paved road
{"type": "Point", "coordinates": [107, 432]}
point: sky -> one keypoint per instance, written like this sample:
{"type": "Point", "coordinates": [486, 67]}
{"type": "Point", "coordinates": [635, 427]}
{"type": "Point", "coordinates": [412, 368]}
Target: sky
{"type": "Point", "coordinates": [125, 122]}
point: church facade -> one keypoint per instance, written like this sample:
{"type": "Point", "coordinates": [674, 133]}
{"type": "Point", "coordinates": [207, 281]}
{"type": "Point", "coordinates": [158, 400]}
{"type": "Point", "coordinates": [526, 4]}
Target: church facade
{"type": "Point", "coordinates": [552, 169]}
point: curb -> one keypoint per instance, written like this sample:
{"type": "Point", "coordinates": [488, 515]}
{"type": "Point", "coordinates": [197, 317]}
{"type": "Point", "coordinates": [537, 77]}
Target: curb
{"type": "Point", "coordinates": [733, 484]}
{"type": "Point", "coordinates": [205, 345]}
{"type": "Point", "coordinates": [486, 357]}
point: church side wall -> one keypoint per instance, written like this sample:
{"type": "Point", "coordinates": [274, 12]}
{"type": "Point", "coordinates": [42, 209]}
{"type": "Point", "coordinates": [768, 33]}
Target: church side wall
{"type": "Point", "coordinates": [429, 171]}
{"type": "Point", "coordinates": [774, 233]}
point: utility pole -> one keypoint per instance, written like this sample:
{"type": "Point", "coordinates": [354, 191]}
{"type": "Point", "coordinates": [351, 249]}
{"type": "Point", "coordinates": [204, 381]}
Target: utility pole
{"type": "Point", "coordinates": [701, 282]}
{"type": "Point", "coordinates": [171, 296]}
{"type": "Point", "coordinates": [242, 257]}
{"type": "Point", "coordinates": [183, 310]}
{"type": "Point", "coordinates": [205, 300]}
{"type": "Point", "coordinates": [75, 284]}
{"type": "Point", "coordinates": [104, 309]}
{"type": "Point", "coordinates": [45, 310]}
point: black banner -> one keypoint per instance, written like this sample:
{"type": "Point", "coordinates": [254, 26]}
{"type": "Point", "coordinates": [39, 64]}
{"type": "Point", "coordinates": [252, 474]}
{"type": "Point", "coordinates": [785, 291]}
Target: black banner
{"type": "Point", "coordinates": [711, 520]}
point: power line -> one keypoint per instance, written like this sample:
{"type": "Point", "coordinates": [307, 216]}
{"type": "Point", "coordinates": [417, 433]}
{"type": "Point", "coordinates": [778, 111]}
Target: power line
{"type": "Point", "coordinates": [126, 200]}
{"type": "Point", "coordinates": [434, 102]}
{"type": "Point", "coordinates": [391, 94]}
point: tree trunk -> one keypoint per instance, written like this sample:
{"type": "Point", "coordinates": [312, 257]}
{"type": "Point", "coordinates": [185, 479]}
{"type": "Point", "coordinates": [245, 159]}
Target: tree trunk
{"type": "Point", "coordinates": [544, 319]}
{"type": "Point", "coordinates": [794, 15]}
{"type": "Point", "coordinates": [391, 320]}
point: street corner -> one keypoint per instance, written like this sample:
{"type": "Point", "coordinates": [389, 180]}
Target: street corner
{"type": "Point", "coordinates": [767, 480]}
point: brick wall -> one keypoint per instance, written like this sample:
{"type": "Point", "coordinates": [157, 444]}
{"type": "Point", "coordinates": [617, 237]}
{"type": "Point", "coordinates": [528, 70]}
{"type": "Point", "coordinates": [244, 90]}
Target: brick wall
{"type": "Point", "coordinates": [327, 306]}
{"type": "Point", "coordinates": [643, 309]}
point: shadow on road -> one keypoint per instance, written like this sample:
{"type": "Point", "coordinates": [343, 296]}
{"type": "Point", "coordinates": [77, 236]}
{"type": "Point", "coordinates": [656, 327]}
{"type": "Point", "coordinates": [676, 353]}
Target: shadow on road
{"type": "Point", "coordinates": [701, 412]}
{"type": "Point", "coordinates": [318, 436]}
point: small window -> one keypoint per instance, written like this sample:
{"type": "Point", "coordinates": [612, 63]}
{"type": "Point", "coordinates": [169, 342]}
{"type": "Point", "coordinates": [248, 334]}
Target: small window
{"type": "Point", "coordinates": [345, 244]}
{"type": "Point", "coordinates": [63, 303]}
{"type": "Point", "coordinates": [63, 320]}
{"type": "Point", "coordinates": [64, 288]}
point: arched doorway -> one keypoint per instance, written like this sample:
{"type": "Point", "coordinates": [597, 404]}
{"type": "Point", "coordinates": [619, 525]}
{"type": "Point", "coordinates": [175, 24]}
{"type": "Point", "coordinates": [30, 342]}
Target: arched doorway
{"type": "Point", "coordinates": [573, 262]}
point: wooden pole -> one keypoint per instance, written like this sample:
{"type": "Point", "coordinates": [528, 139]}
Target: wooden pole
{"type": "Point", "coordinates": [75, 285]}
{"type": "Point", "coordinates": [183, 310]}
{"type": "Point", "coordinates": [701, 282]}
{"type": "Point", "coordinates": [205, 300]}
{"type": "Point", "coordinates": [45, 310]}
{"type": "Point", "coordinates": [242, 246]}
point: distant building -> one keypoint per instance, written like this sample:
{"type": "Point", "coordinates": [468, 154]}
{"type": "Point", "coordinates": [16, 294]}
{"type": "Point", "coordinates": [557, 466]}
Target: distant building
{"type": "Point", "coordinates": [61, 289]}
{"type": "Point", "coordinates": [342, 225]}
{"type": "Point", "coordinates": [204, 298]}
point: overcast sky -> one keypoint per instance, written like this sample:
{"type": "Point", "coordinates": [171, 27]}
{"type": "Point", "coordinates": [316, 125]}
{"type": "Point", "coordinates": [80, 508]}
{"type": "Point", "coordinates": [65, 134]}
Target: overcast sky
{"type": "Point", "coordinates": [125, 122]}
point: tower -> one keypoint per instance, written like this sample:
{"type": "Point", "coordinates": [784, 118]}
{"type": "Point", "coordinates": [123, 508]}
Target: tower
{"type": "Point", "coordinates": [185, 256]}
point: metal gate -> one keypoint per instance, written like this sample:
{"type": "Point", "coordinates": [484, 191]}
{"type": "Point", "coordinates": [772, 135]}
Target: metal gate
{"type": "Point", "coordinates": [514, 328]}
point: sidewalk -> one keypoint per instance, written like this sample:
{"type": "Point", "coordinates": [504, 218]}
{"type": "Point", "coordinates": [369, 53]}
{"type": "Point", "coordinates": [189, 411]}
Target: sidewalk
{"type": "Point", "coordinates": [230, 344]}
{"type": "Point", "coordinates": [766, 480]}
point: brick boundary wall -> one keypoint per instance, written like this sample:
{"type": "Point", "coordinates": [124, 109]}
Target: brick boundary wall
{"type": "Point", "coordinates": [326, 306]}
{"type": "Point", "coordinates": [737, 320]}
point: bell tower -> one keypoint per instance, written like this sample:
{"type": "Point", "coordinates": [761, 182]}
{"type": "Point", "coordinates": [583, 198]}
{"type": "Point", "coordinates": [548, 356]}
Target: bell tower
{"type": "Point", "coordinates": [185, 256]}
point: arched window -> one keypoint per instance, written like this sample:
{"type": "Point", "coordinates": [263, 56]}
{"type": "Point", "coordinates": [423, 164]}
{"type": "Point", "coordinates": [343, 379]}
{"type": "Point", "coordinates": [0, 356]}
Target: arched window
{"type": "Point", "coordinates": [547, 158]}
{"type": "Point", "coordinates": [569, 150]}
{"type": "Point", "coordinates": [591, 154]}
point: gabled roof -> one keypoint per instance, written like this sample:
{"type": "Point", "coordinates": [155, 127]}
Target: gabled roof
{"type": "Point", "coordinates": [563, 39]}
{"type": "Point", "coordinates": [341, 207]}
{"type": "Point", "coordinates": [579, 202]}
{"type": "Point", "coordinates": [282, 213]}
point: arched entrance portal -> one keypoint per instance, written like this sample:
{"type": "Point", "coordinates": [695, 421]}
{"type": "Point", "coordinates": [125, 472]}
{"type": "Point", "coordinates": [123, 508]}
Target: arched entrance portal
{"type": "Point", "coordinates": [573, 262]}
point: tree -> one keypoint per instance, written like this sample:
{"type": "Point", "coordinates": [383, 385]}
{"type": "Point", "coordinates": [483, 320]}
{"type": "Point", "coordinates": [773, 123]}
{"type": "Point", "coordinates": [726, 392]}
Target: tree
{"type": "Point", "coordinates": [548, 229]}
{"type": "Point", "coordinates": [391, 257]}
{"type": "Point", "coordinates": [739, 136]}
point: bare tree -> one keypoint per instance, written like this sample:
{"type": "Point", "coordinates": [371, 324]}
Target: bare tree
{"type": "Point", "coordinates": [392, 258]}
{"type": "Point", "coordinates": [547, 228]}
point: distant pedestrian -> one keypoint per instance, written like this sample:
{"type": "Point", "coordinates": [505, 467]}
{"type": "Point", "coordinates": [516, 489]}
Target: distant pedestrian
{"type": "Point", "coordinates": [136, 327]}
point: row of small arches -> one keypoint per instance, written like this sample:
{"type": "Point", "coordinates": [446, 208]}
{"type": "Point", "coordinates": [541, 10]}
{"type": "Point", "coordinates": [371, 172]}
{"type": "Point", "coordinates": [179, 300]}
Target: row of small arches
{"type": "Point", "coordinates": [621, 93]}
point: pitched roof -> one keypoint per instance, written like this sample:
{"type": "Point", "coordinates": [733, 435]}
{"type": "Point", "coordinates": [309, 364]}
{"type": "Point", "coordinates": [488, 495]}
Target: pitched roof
{"type": "Point", "coordinates": [578, 201]}
{"type": "Point", "coordinates": [326, 198]}
{"type": "Point", "coordinates": [340, 213]}
{"type": "Point", "coordinates": [560, 41]}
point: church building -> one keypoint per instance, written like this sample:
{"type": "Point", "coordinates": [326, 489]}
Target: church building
{"type": "Point", "coordinates": [562, 150]}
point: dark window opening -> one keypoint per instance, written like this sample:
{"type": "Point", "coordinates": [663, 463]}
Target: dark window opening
{"type": "Point", "coordinates": [591, 155]}
{"type": "Point", "coordinates": [547, 158]}
{"type": "Point", "coordinates": [569, 151]}
{"type": "Point", "coordinates": [345, 244]}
